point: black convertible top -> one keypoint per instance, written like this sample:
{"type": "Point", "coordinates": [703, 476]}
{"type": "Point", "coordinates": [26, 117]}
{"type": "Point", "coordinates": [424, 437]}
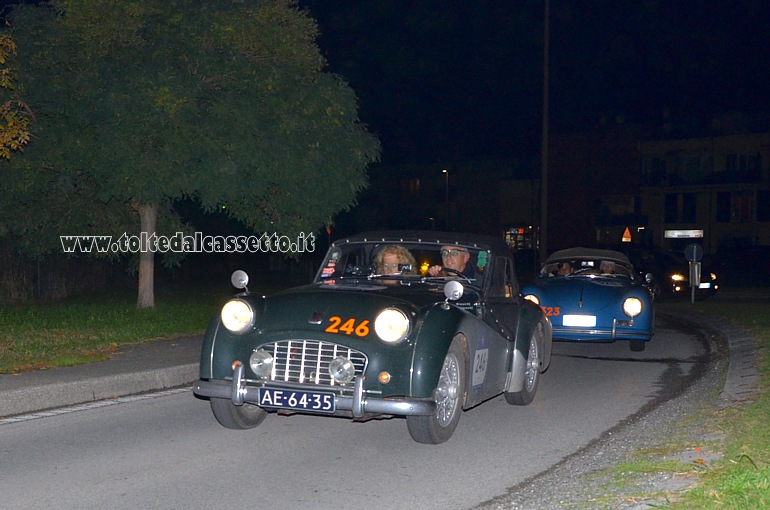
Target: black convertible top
{"type": "Point", "coordinates": [495, 245]}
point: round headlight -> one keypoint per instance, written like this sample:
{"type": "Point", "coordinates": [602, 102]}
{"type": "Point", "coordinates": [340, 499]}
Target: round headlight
{"type": "Point", "coordinates": [533, 298]}
{"type": "Point", "coordinates": [391, 325]}
{"type": "Point", "coordinates": [237, 315]}
{"type": "Point", "coordinates": [342, 369]}
{"type": "Point", "coordinates": [632, 306]}
{"type": "Point", "coordinates": [261, 363]}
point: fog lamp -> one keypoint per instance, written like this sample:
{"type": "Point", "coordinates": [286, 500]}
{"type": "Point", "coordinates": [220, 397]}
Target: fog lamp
{"type": "Point", "coordinates": [342, 369]}
{"type": "Point", "coordinates": [261, 363]}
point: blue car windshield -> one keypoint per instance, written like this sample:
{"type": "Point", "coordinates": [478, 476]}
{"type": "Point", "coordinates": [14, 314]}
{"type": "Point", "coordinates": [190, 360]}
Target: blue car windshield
{"type": "Point", "coordinates": [584, 267]}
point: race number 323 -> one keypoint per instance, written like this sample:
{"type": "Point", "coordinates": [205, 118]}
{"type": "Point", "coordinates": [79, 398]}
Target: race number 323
{"type": "Point", "coordinates": [349, 327]}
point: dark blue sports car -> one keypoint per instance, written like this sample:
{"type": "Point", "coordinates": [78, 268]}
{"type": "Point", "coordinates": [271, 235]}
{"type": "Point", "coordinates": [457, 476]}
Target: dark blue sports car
{"type": "Point", "coordinates": [594, 295]}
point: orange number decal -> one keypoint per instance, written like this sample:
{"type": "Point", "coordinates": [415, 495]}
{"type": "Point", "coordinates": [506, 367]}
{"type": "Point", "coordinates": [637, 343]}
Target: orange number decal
{"type": "Point", "coordinates": [551, 311]}
{"type": "Point", "coordinates": [349, 327]}
{"type": "Point", "coordinates": [362, 329]}
{"type": "Point", "coordinates": [334, 326]}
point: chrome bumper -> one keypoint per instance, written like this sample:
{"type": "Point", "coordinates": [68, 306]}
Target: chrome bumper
{"type": "Point", "coordinates": [358, 404]}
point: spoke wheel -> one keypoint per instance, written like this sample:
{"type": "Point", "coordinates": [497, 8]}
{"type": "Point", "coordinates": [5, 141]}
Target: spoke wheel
{"type": "Point", "coordinates": [449, 397]}
{"type": "Point", "coordinates": [232, 416]}
{"type": "Point", "coordinates": [531, 372]}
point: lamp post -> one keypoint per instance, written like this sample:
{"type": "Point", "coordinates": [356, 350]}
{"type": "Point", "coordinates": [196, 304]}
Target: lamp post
{"type": "Point", "coordinates": [446, 189]}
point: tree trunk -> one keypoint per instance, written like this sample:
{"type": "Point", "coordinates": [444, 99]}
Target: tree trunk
{"type": "Point", "coordinates": [148, 215]}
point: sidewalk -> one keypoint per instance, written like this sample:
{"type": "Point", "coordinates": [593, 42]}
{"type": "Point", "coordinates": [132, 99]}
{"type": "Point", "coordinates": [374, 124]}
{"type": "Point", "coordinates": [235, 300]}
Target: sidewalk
{"type": "Point", "coordinates": [134, 368]}
{"type": "Point", "coordinates": [162, 364]}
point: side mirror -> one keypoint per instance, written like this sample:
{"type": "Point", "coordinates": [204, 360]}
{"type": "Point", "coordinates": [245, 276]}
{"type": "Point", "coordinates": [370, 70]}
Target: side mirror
{"type": "Point", "coordinates": [453, 290]}
{"type": "Point", "coordinates": [239, 279]}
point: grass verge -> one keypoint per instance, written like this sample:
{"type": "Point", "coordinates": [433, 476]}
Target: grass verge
{"type": "Point", "coordinates": [731, 466]}
{"type": "Point", "coordinates": [89, 327]}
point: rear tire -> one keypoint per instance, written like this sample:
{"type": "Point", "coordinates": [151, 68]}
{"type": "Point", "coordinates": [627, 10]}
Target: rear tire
{"type": "Point", "coordinates": [638, 345]}
{"type": "Point", "coordinates": [531, 373]}
{"type": "Point", "coordinates": [236, 417]}
{"type": "Point", "coordinates": [449, 396]}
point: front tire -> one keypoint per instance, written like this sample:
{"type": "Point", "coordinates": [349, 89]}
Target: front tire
{"type": "Point", "coordinates": [449, 396]}
{"type": "Point", "coordinates": [246, 416]}
{"type": "Point", "coordinates": [531, 372]}
{"type": "Point", "coordinates": [638, 345]}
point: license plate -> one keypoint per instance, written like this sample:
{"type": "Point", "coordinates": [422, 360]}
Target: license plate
{"type": "Point", "coordinates": [580, 321]}
{"type": "Point", "coordinates": [317, 401]}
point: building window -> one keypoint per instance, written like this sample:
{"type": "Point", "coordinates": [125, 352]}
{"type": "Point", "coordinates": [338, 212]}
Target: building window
{"type": "Point", "coordinates": [723, 207]}
{"type": "Point", "coordinates": [740, 211]}
{"type": "Point", "coordinates": [734, 207]}
{"type": "Point", "coordinates": [671, 208]}
{"type": "Point", "coordinates": [745, 167]}
{"type": "Point", "coordinates": [680, 208]}
{"type": "Point", "coordinates": [763, 205]}
{"type": "Point", "coordinates": [655, 168]}
{"type": "Point", "coordinates": [688, 208]}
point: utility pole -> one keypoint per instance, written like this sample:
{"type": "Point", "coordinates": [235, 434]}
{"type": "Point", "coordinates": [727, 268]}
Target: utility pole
{"type": "Point", "coordinates": [544, 149]}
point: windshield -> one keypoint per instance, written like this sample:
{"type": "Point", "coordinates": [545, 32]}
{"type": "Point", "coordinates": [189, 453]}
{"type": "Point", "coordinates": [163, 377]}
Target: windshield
{"type": "Point", "coordinates": [404, 260]}
{"type": "Point", "coordinates": [564, 268]}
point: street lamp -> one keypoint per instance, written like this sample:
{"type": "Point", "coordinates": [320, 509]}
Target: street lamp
{"type": "Point", "coordinates": [446, 188]}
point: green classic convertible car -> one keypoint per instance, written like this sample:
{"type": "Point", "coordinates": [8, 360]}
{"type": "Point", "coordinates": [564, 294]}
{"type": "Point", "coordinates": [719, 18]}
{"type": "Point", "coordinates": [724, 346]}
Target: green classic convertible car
{"type": "Point", "coordinates": [422, 325]}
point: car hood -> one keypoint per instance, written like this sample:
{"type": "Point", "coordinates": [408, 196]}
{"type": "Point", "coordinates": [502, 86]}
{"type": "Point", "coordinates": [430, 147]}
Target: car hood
{"type": "Point", "coordinates": [301, 308]}
{"type": "Point", "coordinates": [586, 293]}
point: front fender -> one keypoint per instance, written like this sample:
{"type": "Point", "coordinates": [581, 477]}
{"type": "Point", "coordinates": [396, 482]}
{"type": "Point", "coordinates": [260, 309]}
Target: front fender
{"type": "Point", "coordinates": [438, 328]}
{"type": "Point", "coordinates": [531, 315]}
{"type": "Point", "coordinates": [221, 347]}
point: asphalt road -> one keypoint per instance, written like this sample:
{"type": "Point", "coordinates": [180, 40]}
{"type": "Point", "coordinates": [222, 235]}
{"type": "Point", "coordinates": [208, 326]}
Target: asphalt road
{"type": "Point", "coordinates": [166, 451]}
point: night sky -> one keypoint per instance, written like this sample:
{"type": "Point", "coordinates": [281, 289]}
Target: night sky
{"type": "Point", "coordinates": [463, 80]}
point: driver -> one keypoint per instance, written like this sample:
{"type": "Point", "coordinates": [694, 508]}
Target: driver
{"type": "Point", "coordinates": [454, 257]}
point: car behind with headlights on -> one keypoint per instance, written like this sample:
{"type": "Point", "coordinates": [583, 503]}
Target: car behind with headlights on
{"type": "Point", "coordinates": [593, 295]}
{"type": "Point", "coordinates": [670, 271]}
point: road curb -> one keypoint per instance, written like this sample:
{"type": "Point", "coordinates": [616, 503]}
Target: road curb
{"type": "Point", "coordinates": [61, 394]}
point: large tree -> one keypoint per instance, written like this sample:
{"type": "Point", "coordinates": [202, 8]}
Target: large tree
{"type": "Point", "coordinates": [143, 102]}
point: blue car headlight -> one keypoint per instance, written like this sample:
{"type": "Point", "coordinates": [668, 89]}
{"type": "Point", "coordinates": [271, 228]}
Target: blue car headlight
{"type": "Point", "coordinates": [391, 325]}
{"type": "Point", "coordinates": [533, 298]}
{"type": "Point", "coordinates": [632, 306]}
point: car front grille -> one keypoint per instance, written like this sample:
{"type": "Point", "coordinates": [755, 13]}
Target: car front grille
{"type": "Point", "coordinates": [307, 361]}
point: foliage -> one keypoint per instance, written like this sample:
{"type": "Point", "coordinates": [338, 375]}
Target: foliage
{"type": "Point", "coordinates": [14, 113]}
{"type": "Point", "coordinates": [143, 103]}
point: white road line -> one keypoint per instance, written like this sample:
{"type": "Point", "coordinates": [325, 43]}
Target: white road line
{"type": "Point", "coordinates": [90, 405]}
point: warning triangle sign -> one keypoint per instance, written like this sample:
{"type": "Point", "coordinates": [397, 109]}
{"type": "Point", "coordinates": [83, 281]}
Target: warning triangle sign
{"type": "Point", "coordinates": [627, 236]}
